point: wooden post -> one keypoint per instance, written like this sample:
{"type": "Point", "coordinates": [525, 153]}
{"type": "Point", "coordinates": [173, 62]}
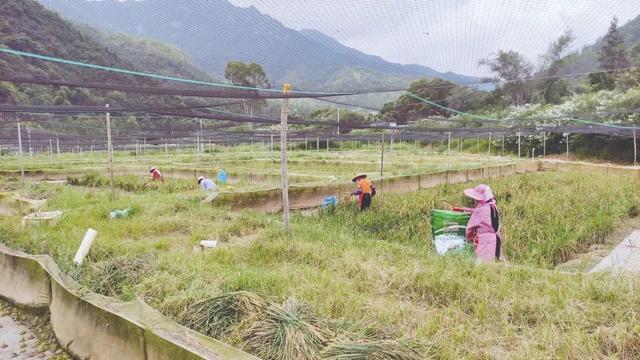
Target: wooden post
{"type": "Point", "coordinates": [449, 150]}
{"type": "Point", "coordinates": [503, 144]}
{"type": "Point", "coordinates": [566, 136]}
{"type": "Point", "coordinates": [110, 153]}
{"type": "Point", "coordinates": [318, 143]}
{"type": "Point", "coordinates": [489, 148]}
{"type": "Point", "coordinates": [58, 145]}
{"type": "Point", "coordinates": [283, 157]}
{"type": "Point", "coordinates": [382, 161]}
{"type": "Point", "coordinates": [518, 144]}
{"type": "Point", "coordinates": [635, 148]}
{"type": "Point", "coordinates": [339, 121]}
{"type": "Point", "coordinates": [50, 147]}
{"type": "Point", "coordinates": [20, 153]}
{"type": "Point", "coordinates": [544, 144]}
{"type": "Point", "coordinates": [29, 141]}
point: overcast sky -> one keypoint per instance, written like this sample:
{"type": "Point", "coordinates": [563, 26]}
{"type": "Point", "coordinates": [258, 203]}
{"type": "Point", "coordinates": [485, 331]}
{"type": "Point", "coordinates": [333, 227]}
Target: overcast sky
{"type": "Point", "coordinates": [450, 35]}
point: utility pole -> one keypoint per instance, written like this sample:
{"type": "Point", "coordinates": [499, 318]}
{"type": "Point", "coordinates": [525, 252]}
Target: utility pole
{"type": "Point", "coordinates": [283, 156]}
{"type": "Point", "coordinates": [110, 153]}
{"type": "Point", "coordinates": [20, 153]}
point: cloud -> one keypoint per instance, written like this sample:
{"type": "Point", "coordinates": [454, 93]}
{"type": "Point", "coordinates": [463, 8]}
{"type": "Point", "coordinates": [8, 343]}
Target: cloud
{"type": "Point", "coordinates": [449, 35]}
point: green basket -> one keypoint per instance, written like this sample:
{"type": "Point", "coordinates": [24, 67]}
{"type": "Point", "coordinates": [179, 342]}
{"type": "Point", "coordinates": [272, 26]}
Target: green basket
{"type": "Point", "coordinates": [447, 221]}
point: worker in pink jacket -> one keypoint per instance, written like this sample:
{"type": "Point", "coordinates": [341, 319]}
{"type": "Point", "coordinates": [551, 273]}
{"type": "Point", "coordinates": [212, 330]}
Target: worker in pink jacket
{"type": "Point", "coordinates": [484, 225]}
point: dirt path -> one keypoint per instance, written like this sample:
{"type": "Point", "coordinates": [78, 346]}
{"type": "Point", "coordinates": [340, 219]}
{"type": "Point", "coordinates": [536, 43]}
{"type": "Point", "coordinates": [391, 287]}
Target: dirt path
{"type": "Point", "coordinates": [24, 336]}
{"type": "Point", "coordinates": [586, 261]}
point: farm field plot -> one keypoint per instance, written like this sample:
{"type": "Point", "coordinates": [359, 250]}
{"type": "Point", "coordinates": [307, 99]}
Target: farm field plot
{"type": "Point", "coordinates": [345, 282]}
{"type": "Point", "coordinates": [249, 167]}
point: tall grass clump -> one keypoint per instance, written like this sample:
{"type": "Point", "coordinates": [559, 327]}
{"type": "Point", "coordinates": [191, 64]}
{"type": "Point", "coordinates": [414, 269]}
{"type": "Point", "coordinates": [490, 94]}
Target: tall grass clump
{"type": "Point", "coordinates": [288, 332]}
{"type": "Point", "coordinates": [372, 350]}
{"type": "Point", "coordinates": [218, 315]}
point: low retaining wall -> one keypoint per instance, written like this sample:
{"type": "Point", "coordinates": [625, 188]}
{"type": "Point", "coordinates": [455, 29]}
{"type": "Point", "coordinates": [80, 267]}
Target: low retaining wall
{"type": "Point", "coordinates": [312, 196]}
{"type": "Point", "coordinates": [91, 326]}
{"type": "Point", "coordinates": [608, 169]}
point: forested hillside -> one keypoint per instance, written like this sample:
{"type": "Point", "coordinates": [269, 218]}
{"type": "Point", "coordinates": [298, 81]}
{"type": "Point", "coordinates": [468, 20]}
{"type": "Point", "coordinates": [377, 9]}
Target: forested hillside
{"type": "Point", "coordinates": [309, 59]}
{"type": "Point", "coordinates": [26, 25]}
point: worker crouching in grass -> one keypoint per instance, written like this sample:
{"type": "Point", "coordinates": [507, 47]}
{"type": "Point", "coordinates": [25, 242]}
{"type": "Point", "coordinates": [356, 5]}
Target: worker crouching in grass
{"type": "Point", "coordinates": [156, 175]}
{"type": "Point", "coordinates": [365, 191]}
{"type": "Point", "coordinates": [483, 228]}
{"type": "Point", "coordinates": [206, 184]}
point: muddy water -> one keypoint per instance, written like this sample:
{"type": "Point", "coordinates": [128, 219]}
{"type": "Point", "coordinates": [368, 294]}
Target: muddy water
{"type": "Point", "coordinates": [24, 336]}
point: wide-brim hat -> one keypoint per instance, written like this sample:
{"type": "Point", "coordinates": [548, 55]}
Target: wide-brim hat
{"type": "Point", "coordinates": [151, 169]}
{"type": "Point", "coordinates": [200, 178]}
{"type": "Point", "coordinates": [359, 176]}
{"type": "Point", "coordinates": [480, 193]}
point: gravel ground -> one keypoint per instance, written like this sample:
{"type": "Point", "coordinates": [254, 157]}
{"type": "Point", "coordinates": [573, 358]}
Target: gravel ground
{"type": "Point", "coordinates": [24, 336]}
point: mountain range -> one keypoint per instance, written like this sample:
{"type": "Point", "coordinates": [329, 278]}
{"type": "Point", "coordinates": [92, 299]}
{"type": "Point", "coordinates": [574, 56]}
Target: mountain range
{"type": "Point", "coordinates": [214, 32]}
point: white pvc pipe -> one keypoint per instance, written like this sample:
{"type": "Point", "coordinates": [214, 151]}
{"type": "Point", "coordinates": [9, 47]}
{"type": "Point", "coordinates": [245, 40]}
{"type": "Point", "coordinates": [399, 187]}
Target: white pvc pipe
{"type": "Point", "coordinates": [85, 245]}
{"type": "Point", "coordinates": [209, 243]}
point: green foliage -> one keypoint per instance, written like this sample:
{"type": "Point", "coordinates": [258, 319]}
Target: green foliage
{"type": "Point", "coordinates": [348, 119]}
{"type": "Point", "coordinates": [511, 67]}
{"type": "Point", "coordinates": [250, 75]}
{"type": "Point", "coordinates": [613, 53]}
{"type": "Point", "coordinates": [601, 81]}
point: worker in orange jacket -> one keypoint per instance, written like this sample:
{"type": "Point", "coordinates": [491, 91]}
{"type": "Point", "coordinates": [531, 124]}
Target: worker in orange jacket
{"type": "Point", "coordinates": [365, 191]}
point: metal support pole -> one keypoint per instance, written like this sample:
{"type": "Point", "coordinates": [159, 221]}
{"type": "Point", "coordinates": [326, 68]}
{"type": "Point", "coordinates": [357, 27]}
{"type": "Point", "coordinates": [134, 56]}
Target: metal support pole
{"type": "Point", "coordinates": [110, 153]}
{"type": "Point", "coordinates": [20, 153]}
{"type": "Point", "coordinates": [283, 157]}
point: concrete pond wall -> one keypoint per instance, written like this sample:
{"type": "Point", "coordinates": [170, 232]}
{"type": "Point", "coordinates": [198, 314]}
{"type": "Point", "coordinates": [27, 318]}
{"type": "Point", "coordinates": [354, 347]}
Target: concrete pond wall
{"type": "Point", "coordinates": [311, 196]}
{"type": "Point", "coordinates": [91, 326]}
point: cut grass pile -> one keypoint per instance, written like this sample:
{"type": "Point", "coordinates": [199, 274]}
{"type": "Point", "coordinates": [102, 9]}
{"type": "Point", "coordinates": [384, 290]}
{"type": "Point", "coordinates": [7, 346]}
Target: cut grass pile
{"type": "Point", "coordinates": [368, 284]}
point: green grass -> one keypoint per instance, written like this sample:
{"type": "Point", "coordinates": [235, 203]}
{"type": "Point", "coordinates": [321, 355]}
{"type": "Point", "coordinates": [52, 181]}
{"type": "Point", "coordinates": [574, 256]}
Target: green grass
{"type": "Point", "coordinates": [365, 283]}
